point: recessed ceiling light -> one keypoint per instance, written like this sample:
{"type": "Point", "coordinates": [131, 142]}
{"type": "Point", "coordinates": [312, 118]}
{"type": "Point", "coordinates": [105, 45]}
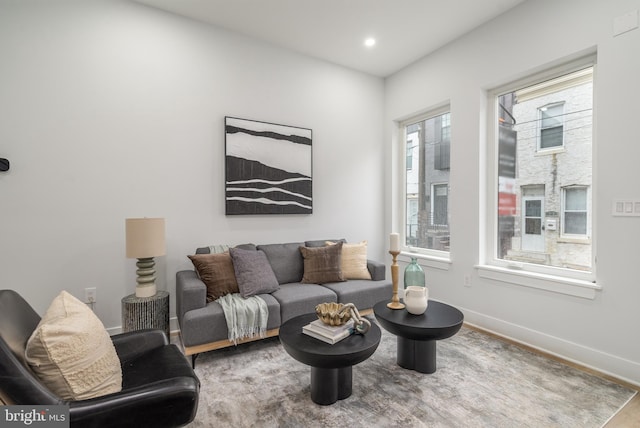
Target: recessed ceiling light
{"type": "Point", "coordinates": [370, 42]}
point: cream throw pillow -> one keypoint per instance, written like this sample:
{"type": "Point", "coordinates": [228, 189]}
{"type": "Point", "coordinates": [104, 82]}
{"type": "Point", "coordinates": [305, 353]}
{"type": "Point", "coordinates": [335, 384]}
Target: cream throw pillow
{"type": "Point", "coordinates": [354, 260]}
{"type": "Point", "coordinates": [72, 353]}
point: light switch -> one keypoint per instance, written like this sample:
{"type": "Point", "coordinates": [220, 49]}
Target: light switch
{"type": "Point", "coordinates": [626, 208]}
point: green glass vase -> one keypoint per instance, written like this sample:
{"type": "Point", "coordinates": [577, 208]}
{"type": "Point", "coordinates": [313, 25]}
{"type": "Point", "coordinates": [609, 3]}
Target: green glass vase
{"type": "Point", "coordinates": [413, 274]}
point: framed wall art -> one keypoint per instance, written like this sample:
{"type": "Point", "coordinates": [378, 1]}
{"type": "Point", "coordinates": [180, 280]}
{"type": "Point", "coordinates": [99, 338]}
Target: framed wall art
{"type": "Point", "coordinates": [267, 168]}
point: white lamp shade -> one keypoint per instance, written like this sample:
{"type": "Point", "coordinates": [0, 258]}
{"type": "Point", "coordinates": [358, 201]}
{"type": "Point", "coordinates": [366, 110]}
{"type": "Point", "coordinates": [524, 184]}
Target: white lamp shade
{"type": "Point", "coordinates": [145, 237]}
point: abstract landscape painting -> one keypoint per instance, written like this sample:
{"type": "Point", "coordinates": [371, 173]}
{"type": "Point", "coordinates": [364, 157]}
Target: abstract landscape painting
{"type": "Point", "coordinates": [268, 168]}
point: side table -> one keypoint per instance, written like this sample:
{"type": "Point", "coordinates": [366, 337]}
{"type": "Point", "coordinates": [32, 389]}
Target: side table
{"type": "Point", "coordinates": [417, 334]}
{"type": "Point", "coordinates": [146, 312]}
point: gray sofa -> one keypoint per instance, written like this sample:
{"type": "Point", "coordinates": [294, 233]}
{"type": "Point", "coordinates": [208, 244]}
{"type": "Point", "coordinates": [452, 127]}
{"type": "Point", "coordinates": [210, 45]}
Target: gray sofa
{"type": "Point", "coordinates": [203, 326]}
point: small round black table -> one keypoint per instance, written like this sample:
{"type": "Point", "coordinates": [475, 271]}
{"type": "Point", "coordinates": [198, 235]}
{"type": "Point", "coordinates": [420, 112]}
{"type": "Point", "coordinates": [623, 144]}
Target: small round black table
{"type": "Point", "coordinates": [331, 365]}
{"type": "Point", "coordinates": [417, 334]}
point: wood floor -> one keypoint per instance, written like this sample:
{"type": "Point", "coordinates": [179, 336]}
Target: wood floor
{"type": "Point", "coordinates": [628, 417]}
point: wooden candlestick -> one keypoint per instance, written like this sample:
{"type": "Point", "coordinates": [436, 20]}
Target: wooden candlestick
{"type": "Point", "coordinates": [395, 301]}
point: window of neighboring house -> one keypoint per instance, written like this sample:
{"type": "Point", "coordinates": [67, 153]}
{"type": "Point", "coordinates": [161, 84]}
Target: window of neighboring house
{"type": "Point", "coordinates": [440, 206]}
{"type": "Point", "coordinates": [574, 213]}
{"type": "Point", "coordinates": [551, 126]}
{"type": "Point", "coordinates": [412, 144]}
{"type": "Point", "coordinates": [427, 181]}
{"type": "Point", "coordinates": [409, 156]}
{"type": "Point", "coordinates": [542, 198]}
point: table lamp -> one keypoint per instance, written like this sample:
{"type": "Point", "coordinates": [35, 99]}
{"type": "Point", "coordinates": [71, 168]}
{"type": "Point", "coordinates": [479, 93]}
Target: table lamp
{"type": "Point", "coordinates": [145, 240]}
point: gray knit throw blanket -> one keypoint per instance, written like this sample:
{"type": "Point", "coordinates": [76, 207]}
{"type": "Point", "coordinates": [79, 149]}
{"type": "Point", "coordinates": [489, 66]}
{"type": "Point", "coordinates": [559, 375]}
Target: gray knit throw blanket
{"type": "Point", "coordinates": [245, 317]}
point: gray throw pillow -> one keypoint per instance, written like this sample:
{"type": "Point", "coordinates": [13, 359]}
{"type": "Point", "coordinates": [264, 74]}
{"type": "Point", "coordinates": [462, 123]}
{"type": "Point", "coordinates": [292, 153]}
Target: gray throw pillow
{"type": "Point", "coordinates": [253, 272]}
{"type": "Point", "coordinates": [285, 260]}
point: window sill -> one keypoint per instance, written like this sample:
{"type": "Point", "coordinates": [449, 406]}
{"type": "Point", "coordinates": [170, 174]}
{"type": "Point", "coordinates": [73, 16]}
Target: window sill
{"type": "Point", "coordinates": [443, 263]}
{"type": "Point", "coordinates": [550, 151]}
{"type": "Point", "coordinates": [556, 284]}
{"type": "Point", "coordinates": [570, 240]}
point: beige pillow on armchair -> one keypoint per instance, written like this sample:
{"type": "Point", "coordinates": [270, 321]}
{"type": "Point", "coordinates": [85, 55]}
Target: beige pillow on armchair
{"type": "Point", "coordinates": [71, 352]}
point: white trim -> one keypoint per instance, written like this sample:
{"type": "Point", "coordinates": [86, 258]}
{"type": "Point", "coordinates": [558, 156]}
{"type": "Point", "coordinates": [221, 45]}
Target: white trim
{"type": "Point", "coordinates": [174, 328]}
{"type": "Point", "coordinates": [442, 263]}
{"type": "Point", "coordinates": [541, 281]}
{"type": "Point", "coordinates": [605, 363]}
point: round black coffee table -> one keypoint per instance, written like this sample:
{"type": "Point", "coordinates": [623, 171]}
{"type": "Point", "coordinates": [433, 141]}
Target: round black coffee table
{"type": "Point", "coordinates": [331, 365]}
{"type": "Point", "coordinates": [417, 334]}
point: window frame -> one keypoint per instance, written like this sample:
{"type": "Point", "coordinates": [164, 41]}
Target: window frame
{"type": "Point", "coordinates": [551, 278]}
{"type": "Point", "coordinates": [435, 258]}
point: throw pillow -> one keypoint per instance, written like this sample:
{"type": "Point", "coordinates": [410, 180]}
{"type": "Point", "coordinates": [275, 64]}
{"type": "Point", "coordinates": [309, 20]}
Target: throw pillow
{"type": "Point", "coordinates": [322, 264]}
{"type": "Point", "coordinates": [216, 271]}
{"type": "Point", "coordinates": [285, 260]}
{"type": "Point", "coordinates": [72, 353]}
{"type": "Point", "coordinates": [354, 260]}
{"type": "Point", "coordinates": [253, 272]}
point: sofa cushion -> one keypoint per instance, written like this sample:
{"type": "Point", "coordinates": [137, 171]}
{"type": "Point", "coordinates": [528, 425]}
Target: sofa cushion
{"type": "Point", "coordinates": [297, 299]}
{"type": "Point", "coordinates": [216, 271]}
{"type": "Point", "coordinates": [322, 264]}
{"type": "Point", "coordinates": [253, 272]}
{"type": "Point", "coordinates": [322, 242]}
{"type": "Point", "coordinates": [208, 324]}
{"type": "Point", "coordinates": [71, 352]}
{"type": "Point", "coordinates": [207, 250]}
{"type": "Point", "coordinates": [354, 260]}
{"type": "Point", "coordinates": [362, 292]}
{"type": "Point", "coordinates": [285, 260]}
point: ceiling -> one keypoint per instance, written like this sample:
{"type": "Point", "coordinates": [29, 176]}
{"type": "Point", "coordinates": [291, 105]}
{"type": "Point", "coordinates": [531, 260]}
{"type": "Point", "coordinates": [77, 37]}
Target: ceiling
{"type": "Point", "coordinates": [335, 30]}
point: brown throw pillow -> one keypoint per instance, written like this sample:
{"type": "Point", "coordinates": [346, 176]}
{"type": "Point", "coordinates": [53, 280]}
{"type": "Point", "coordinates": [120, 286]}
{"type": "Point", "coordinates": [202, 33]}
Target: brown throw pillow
{"type": "Point", "coordinates": [354, 260]}
{"type": "Point", "coordinates": [216, 271]}
{"type": "Point", "coordinates": [322, 264]}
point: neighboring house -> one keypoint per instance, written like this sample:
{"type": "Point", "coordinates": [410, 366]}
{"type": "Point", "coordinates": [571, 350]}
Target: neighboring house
{"type": "Point", "coordinates": [547, 220]}
{"type": "Point", "coordinates": [428, 153]}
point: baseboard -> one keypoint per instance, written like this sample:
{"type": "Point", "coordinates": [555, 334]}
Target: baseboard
{"type": "Point", "coordinates": [620, 369]}
{"type": "Point", "coordinates": [174, 329]}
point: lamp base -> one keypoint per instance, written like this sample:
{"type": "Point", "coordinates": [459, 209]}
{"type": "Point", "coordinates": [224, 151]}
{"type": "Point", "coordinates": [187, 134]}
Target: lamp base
{"type": "Point", "coordinates": [147, 290]}
{"type": "Point", "coordinates": [146, 277]}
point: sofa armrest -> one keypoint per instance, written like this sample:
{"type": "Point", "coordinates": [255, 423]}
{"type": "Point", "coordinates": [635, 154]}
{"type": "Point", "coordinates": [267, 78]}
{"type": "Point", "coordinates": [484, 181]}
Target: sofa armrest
{"type": "Point", "coordinates": [378, 270]}
{"type": "Point", "coordinates": [191, 293]}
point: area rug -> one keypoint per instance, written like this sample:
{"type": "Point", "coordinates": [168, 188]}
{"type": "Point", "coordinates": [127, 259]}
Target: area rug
{"type": "Point", "coordinates": [480, 381]}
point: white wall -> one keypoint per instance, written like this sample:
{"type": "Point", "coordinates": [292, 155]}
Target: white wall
{"type": "Point", "coordinates": [110, 109]}
{"type": "Point", "coordinates": [601, 332]}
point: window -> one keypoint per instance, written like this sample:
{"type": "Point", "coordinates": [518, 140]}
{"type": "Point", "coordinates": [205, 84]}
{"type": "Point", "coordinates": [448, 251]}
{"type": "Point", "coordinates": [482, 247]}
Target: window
{"type": "Point", "coordinates": [575, 211]}
{"type": "Point", "coordinates": [427, 140]}
{"type": "Point", "coordinates": [551, 126]}
{"type": "Point", "coordinates": [541, 220]}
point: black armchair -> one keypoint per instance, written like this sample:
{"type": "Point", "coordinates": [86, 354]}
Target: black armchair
{"type": "Point", "coordinates": [159, 387]}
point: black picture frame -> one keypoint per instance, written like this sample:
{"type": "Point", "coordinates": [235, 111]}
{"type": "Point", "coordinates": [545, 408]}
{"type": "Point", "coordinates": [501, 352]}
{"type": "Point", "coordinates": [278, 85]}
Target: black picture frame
{"type": "Point", "coordinates": [268, 168]}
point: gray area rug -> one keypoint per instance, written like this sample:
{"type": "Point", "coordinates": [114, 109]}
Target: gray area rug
{"type": "Point", "coordinates": [480, 382]}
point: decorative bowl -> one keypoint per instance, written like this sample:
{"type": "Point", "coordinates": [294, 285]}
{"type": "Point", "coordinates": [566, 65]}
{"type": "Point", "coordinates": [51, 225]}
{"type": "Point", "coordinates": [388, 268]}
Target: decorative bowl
{"type": "Point", "coordinates": [330, 313]}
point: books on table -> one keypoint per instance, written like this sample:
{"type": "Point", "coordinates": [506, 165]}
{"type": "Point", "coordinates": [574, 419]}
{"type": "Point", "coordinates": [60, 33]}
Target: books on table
{"type": "Point", "coordinates": [327, 333]}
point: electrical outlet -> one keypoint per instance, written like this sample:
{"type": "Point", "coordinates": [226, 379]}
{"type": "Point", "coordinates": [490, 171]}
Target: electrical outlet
{"type": "Point", "coordinates": [467, 280]}
{"type": "Point", "coordinates": [90, 295]}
